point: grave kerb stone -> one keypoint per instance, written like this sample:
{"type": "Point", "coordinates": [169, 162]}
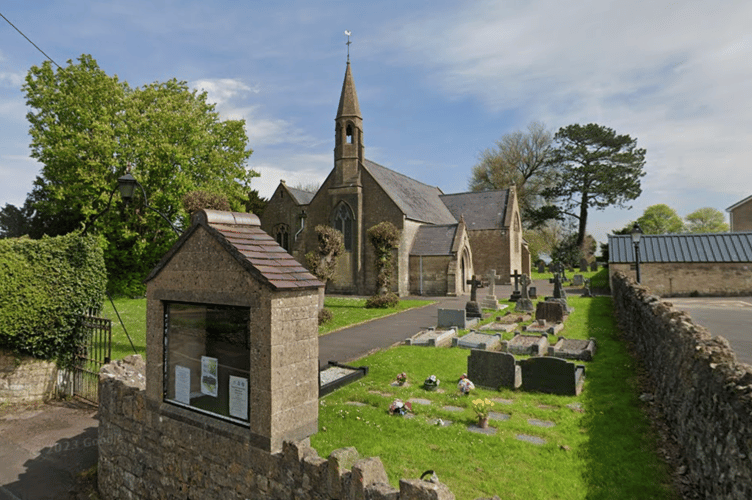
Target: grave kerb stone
{"type": "Point", "coordinates": [527, 345]}
{"type": "Point", "coordinates": [476, 340]}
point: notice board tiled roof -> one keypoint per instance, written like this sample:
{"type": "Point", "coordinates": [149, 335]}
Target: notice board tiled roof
{"type": "Point", "coordinates": [481, 209]}
{"type": "Point", "coordinates": [711, 247]}
{"type": "Point", "coordinates": [418, 201]}
{"type": "Point", "coordinates": [241, 235]}
{"type": "Point", "coordinates": [434, 240]}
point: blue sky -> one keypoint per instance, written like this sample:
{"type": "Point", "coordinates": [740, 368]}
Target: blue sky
{"type": "Point", "coordinates": [438, 81]}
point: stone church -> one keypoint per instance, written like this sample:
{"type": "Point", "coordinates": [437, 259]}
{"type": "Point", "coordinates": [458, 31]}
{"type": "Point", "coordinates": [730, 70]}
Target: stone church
{"type": "Point", "coordinates": [444, 238]}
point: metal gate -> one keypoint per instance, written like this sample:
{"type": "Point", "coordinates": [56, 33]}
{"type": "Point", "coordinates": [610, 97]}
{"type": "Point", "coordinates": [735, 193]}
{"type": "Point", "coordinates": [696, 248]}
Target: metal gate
{"type": "Point", "coordinates": [94, 352]}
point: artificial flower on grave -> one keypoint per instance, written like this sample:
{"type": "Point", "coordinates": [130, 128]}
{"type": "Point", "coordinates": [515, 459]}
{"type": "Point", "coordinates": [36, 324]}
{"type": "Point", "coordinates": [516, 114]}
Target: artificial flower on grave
{"type": "Point", "coordinates": [465, 385]}
{"type": "Point", "coordinates": [431, 383]}
{"type": "Point", "coordinates": [402, 378]}
{"type": "Point", "coordinates": [398, 407]}
{"type": "Point", "coordinates": [482, 407]}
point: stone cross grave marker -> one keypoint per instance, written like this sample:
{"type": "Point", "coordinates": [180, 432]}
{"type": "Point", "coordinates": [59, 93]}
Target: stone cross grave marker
{"type": "Point", "coordinates": [490, 301]}
{"type": "Point", "coordinates": [524, 304]}
{"type": "Point", "coordinates": [473, 288]}
{"type": "Point", "coordinates": [516, 292]}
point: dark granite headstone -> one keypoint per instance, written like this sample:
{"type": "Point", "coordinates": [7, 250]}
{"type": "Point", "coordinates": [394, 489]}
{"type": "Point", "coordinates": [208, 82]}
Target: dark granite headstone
{"type": "Point", "coordinates": [583, 265]}
{"type": "Point", "coordinates": [472, 310]}
{"type": "Point", "coordinates": [552, 311]}
{"type": "Point", "coordinates": [541, 267]}
{"type": "Point", "coordinates": [493, 369]}
{"type": "Point", "coordinates": [552, 376]}
{"type": "Point", "coordinates": [594, 266]}
{"type": "Point", "coordinates": [516, 294]}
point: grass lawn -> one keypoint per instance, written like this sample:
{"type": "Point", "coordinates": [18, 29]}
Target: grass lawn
{"type": "Point", "coordinates": [600, 446]}
{"type": "Point", "coordinates": [351, 311]}
{"type": "Point", "coordinates": [347, 312]}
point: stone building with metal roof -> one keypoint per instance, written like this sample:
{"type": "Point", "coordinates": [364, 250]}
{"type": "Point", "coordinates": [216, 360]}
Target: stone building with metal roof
{"type": "Point", "coordinates": [740, 215]}
{"type": "Point", "coordinates": [444, 239]}
{"type": "Point", "coordinates": [687, 264]}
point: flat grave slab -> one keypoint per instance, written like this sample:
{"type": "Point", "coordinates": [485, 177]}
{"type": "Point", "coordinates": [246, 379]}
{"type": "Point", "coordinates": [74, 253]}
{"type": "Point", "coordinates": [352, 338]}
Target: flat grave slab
{"type": "Point", "coordinates": [432, 338]}
{"type": "Point", "coordinates": [453, 408]}
{"type": "Point", "coordinates": [513, 318]}
{"type": "Point", "coordinates": [493, 369]}
{"type": "Point", "coordinates": [499, 327]}
{"type": "Point", "coordinates": [494, 415]}
{"type": "Point", "coordinates": [420, 401]}
{"type": "Point", "coordinates": [440, 422]}
{"type": "Point", "coordinates": [503, 401]}
{"type": "Point", "coordinates": [476, 340]}
{"type": "Point", "coordinates": [488, 431]}
{"type": "Point", "coordinates": [531, 439]}
{"type": "Point", "coordinates": [527, 345]}
{"type": "Point", "coordinates": [582, 350]}
{"type": "Point", "coordinates": [546, 327]}
{"type": "Point", "coordinates": [541, 423]}
{"type": "Point", "coordinates": [552, 376]}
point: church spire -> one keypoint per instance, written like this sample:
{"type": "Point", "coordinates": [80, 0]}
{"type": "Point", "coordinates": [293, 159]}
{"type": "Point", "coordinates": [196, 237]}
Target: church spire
{"type": "Point", "coordinates": [348, 99]}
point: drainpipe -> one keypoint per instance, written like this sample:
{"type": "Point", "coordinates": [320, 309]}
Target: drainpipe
{"type": "Point", "coordinates": [421, 274]}
{"type": "Point", "coordinates": [303, 216]}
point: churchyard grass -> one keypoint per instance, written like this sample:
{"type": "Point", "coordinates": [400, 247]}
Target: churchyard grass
{"type": "Point", "coordinates": [350, 311]}
{"type": "Point", "coordinates": [600, 446]}
{"type": "Point", "coordinates": [133, 314]}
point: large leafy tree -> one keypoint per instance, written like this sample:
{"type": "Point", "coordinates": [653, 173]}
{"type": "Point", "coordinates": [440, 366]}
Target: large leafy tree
{"type": "Point", "coordinates": [88, 128]}
{"type": "Point", "coordinates": [706, 220]}
{"type": "Point", "coordinates": [595, 168]}
{"type": "Point", "coordinates": [521, 159]}
{"type": "Point", "coordinates": [660, 219]}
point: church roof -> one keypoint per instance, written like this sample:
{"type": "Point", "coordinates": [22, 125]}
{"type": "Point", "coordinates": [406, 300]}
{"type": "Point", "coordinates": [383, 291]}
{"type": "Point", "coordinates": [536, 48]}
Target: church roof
{"type": "Point", "coordinates": [481, 209]}
{"type": "Point", "coordinates": [348, 99]}
{"type": "Point", "coordinates": [301, 197]}
{"type": "Point", "coordinates": [241, 235]}
{"type": "Point", "coordinates": [418, 201]}
{"type": "Point", "coordinates": [434, 240]}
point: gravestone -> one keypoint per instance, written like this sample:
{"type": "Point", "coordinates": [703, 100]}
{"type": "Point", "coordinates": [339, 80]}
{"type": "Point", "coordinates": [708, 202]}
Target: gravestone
{"type": "Point", "coordinates": [524, 304]}
{"type": "Point", "coordinates": [578, 280]}
{"type": "Point", "coordinates": [553, 311]}
{"type": "Point", "coordinates": [559, 292]}
{"type": "Point", "coordinates": [492, 370]}
{"type": "Point", "coordinates": [447, 318]}
{"type": "Point", "coordinates": [583, 265]}
{"type": "Point", "coordinates": [542, 326]}
{"type": "Point", "coordinates": [541, 267]}
{"type": "Point", "coordinates": [582, 350]}
{"type": "Point", "coordinates": [472, 308]}
{"type": "Point", "coordinates": [594, 266]}
{"type": "Point", "coordinates": [490, 301]}
{"type": "Point", "coordinates": [532, 292]}
{"type": "Point", "coordinates": [527, 345]}
{"type": "Point", "coordinates": [432, 338]}
{"type": "Point", "coordinates": [552, 376]}
{"type": "Point", "coordinates": [476, 340]}
{"type": "Point", "coordinates": [499, 327]}
{"type": "Point", "coordinates": [516, 294]}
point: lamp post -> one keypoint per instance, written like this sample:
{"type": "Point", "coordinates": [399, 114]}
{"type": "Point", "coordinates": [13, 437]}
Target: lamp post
{"type": "Point", "coordinates": [636, 234]}
{"type": "Point", "coordinates": [127, 184]}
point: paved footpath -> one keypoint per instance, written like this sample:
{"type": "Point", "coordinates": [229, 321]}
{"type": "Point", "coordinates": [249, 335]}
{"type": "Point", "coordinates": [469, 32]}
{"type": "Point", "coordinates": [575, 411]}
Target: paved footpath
{"type": "Point", "coordinates": [357, 341]}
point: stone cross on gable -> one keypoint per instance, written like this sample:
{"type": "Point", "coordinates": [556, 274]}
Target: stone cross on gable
{"type": "Point", "coordinates": [473, 288]}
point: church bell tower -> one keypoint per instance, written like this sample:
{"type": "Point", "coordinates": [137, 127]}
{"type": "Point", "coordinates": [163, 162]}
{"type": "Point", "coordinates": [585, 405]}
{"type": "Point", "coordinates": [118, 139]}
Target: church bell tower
{"type": "Point", "coordinates": [349, 150]}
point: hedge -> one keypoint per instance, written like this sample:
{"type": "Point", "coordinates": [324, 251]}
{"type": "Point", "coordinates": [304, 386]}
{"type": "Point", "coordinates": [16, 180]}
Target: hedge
{"type": "Point", "coordinates": [44, 285]}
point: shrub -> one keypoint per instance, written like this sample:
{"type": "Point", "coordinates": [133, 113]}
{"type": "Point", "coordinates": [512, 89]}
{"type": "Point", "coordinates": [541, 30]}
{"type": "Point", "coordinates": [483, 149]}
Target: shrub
{"type": "Point", "coordinates": [197, 200]}
{"type": "Point", "coordinates": [323, 262]}
{"type": "Point", "coordinates": [325, 315]}
{"type": "Point", "coordinates": [44, 285]}
{"type": "Point", "coordinates": [384, 238]}
{"type": "Point", "coordinates": [382, 301]}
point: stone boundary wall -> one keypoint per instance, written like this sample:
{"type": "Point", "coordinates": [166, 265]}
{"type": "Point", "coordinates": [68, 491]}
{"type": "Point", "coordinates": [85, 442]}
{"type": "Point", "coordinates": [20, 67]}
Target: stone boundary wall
{"type": "Point", "coordinates": [679, 279]}
{"type": "Point", "coordinates": [25, 379]}
{"type": "Point", "coordinates": [152, 453]}
{"type": "Point", "coordinates": [705, 395]}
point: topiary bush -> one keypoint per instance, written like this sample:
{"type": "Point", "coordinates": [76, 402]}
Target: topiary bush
{"type": "Point", "coordinates": [323, 261]}
{"type": "Point", "coordinates": [325, 315]}
{"type": "Point", "coordinates": [383, 301]}
{"type": "Point", "coordinates": [44, 285]}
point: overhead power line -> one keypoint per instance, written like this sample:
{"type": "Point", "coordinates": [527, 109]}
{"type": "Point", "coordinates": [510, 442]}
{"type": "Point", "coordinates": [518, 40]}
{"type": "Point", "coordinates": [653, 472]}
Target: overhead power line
{"type": "Point", "coordinates": [29, 40]}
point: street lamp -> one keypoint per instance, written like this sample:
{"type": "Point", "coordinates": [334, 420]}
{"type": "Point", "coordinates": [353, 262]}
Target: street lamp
{"type": "Point", "coordinates": [127, 184]}
{"type": "Point", "coordinates": [636, 235]}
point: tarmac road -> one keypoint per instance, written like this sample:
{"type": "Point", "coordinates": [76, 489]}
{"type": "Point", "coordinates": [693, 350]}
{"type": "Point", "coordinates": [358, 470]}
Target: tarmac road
{"type": "Point", "coordinates": [729, 317]}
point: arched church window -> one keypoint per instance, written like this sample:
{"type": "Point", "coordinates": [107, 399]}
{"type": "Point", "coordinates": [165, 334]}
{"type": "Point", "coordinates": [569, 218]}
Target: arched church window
{"type": "Point", "coordinates": [343, 222]}
{"type": "Point", "coordinates": [282, 235]}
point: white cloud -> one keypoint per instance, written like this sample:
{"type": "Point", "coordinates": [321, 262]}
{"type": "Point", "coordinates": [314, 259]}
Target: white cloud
{"type": "Point", "coordinates": [10, 79]}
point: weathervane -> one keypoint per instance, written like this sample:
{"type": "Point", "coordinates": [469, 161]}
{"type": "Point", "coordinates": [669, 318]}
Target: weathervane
{"type": "Point", "coordinates": [348, 33]}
